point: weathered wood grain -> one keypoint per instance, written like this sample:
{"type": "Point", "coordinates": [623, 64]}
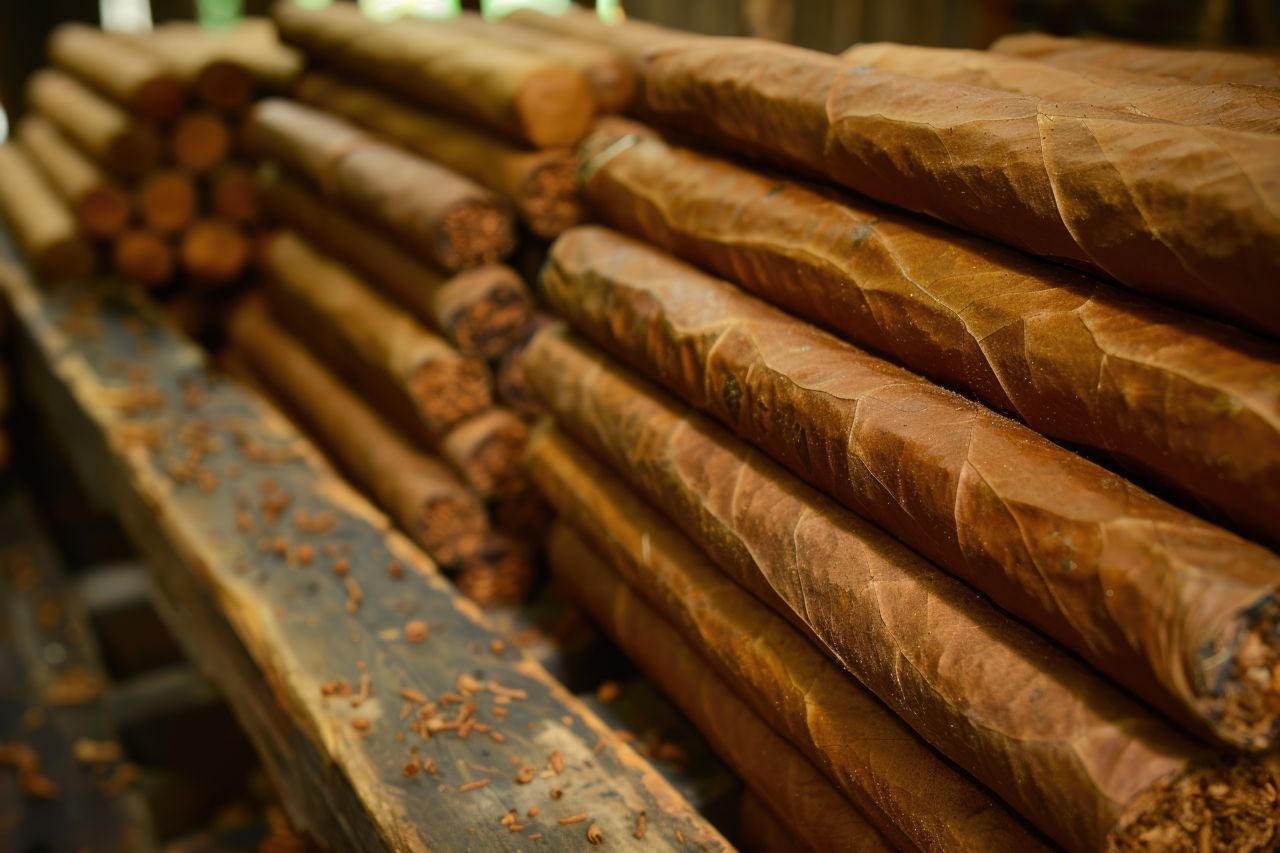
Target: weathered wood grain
{"type": "Point", "coordinates": [185, 456]}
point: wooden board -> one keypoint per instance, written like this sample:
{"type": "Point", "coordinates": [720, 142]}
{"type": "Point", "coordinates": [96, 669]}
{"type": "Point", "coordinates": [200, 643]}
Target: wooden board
{"type": "Point", "coordinates": [51, 695]}
{"type": "Point", "coordinates": [136, 400]}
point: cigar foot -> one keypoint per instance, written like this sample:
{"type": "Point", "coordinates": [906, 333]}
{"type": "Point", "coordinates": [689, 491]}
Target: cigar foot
{"type": "Point", "coordinates": [447, 393]}
{"type": "Point", "coordinates": [1223, 806]}
{"type": "Point", "coordinates": [1243, 688]}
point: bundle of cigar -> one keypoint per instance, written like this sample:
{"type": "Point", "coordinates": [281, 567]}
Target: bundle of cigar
{"type": "Point", "coordinates": [944, 543]}
{"type": "Point", "coordinates": [130, 158]}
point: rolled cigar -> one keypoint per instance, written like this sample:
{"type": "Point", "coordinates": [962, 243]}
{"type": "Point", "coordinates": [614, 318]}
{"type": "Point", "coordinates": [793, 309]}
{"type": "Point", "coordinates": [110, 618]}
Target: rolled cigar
{"type": "Point", "coordinates": [442, 386]}
{"type": "Point", "coordinates": [99, 127]}
{"type": "Point", "coordinates": [528, 97]}
{"type": "Point", "coordinates": [439, 215]}
{"type": "Point", "coordinates": [111, 66]}
{"type": "Point", "coordinates": [1193, 66]}
{"type": "Point", "coordinates": [1098, 189]}
{"type": "Point", "coordinates": [508, 380]}
{"type": "Point", "coordinates": [424, 498]}
{"type": "Point", "coordinates": [233, 194]}
{"type": "Point", "coordinates": [168, 201]}
{"type": "Point", "coordinates": [199, 140]}
{"type": "Point", "coordinates": [40, 221]}
{"type": "Point", "coordinates": [541, 185]}
{"type": "Point", "coordinates": [499, 574]}
{"type": "Point", "coordinates": [1233, 107]}
{"type": "Point", "coordinates": [142, 256]}
{"type": "Point", "coordinates": [817, 817]}
{"type": "Point", "coordinates": [631, 38]}
{"type": "Point", "coordinates": [214, 251]}
{"type": "Point", "coordinates": [1074, 359]}
{"type": "Point", "coordinates": [486, 450]}
{"type": "Point", "coordinates": [1176, 609]}
{"type": "Point", "coordinates": [912, 795]}
{"type": "Point", "coordinates": [611, 75]}
{"type": "Point", "coordinates": [189, 53]}
{"type": "Point", "coordinates": [482, 310]}
{"type": "Point", "coordinates": [1081, 761]}
{"type": "Point", "coordinates": [100, 205]}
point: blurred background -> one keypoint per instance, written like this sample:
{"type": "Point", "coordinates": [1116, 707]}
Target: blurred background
{"type": "Point", "coordinates": [830, 25]}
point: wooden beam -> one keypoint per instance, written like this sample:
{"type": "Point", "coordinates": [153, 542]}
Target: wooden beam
{"type": "Point", "coordinates": [192, 462]}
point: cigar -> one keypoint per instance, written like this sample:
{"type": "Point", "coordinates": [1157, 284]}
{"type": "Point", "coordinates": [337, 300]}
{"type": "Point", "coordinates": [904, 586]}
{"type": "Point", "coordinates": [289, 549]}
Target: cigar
{"type": "Point", "coordinates": [631, 38]}
{"type": "Point", "coordinates": [508, 379]}
{"type": "Point", "coordinates": [199, 141]}
{"type": "Point", "coordinates": [612, 76]}
{"type": "Point", "coordinates": [541, 184]}
{"type": "Point", "coordinates": [424, 498]}
{"type": "Point", "coordinates": [168, 201]}
{"type": "Point", "coordinates": [1167, 604]}
{"type": "Point", "coordinates": [442, 386]}
{"type": "Point", "coordinates": [1025, 719]}
{"type": "Point", "coordinates": [816, 817]}
{"type": "Point", "coordinates": [486, 450]}
{"type": "Point", "coordinates": [530, 98]}
{"type": "Point", "coordinates": [100, 205]}
{"type": "Point", "coordinates": [99, 127]}
{"type": "Point", "coordinates": [224, 68]}
{"type": "Point", "coordinates": [915, 798]}
{"type": "Point", "coordinates": [1222, 105]}
{"type": "Point", "coordinates": [112, 67]}
{"type": "Point", "coordinates": [1193, 66]}
{"type": "Point", "coordinates": [142, 256]}
{"type": "Point", "coordinates": [482, 310]}
{"type": "Point", "coordinates": [433, 212]}
{"type": "Point", "coordinates": [40, 221]}
{"type": "Point", "coordinates": [233, 194]}
{"type": "Point", "coordinates": [1073, 358]}
{"type": "Point", "coordinates": [499, 574]}
{"type": "Point", "coordinates": [214, 251]}
{"type": "Point", "coordinates": [1098, 189]}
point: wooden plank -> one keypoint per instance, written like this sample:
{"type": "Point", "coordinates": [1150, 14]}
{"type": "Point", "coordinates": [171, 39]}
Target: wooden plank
{"type": "Point", "coordinates": [270, 631]}
{"type": "Point", "coordinates": [51, 690]}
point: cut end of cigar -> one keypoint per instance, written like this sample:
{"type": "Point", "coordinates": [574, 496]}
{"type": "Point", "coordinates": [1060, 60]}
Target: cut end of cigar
{"type": "Point", "coordinates": [492, 325]}
{"type": "Point", "coordinates": [103, 211]}
{"type": "Point", "coordinates": [65, 260]}
{"type": "Point", "coordinates": [143, 257]}
{"type": "Point", "coordinates": [225, 86]}
{"type": "Point", "coordinates": [200, 141]}
{"type": "Point", "coordinates": [1242, 680]}
{"type": "Point", "coordinates": [475, 232]}
{"type": "Point", "coordinates": [214, 251]}
{"type": "Point", "coordinates": [503, 574]}
{"type": "Point", "coordinates": [451, 530]}
{"type": "Point", "coordinates": [550, 202]}
{"type": "Point", "coordinates": [159, 99]}
{"type": "Point", "coordinates": [488, 450]}
{"type": "Point", "coordinates": [168, 201]}
{"type": "Point", "coordinates": [1229, 805]}
{"type": "Point", "coordinates": [445, 393]}
{"type": "Point", "coordinates": [555, 107]}
{"type": "Point", "coordinates": [134, 152]}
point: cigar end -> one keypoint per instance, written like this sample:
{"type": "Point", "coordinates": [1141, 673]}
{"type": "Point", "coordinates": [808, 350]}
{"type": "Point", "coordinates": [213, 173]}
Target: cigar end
{"type": "Point", "coordinates": [1227, 805]}
{"type": "Point", "coordinates": [491, 326]}
{"type": "Point", "coordinates": [503, 574]}
{"type": "Point", "coordinates": [1240, 679]}
{"type": "Point", "coordinates": [475, 232]}
{"type": "Point", "coordinates": [103, 211]}
{"type": "Point", "coordinates": [451, 530]}
{"type": "Point", "coordinates": [447, 393]}
{"type": "Point", "coordinates": [550, 202]}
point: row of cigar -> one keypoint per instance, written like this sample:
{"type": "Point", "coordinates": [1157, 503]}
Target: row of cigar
{"type": "Point", "coordinates": [943, 543]}
{"type": "Point", "coordinates": [128, 159]}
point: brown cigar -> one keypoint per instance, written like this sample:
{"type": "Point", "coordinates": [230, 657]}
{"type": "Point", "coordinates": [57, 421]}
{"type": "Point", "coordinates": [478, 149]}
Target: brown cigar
{"type": "Point", "coordinates": [233, 194]}
{"type": "Point", "coordinates": [99, 127]}
{"type": "Point", "coordinates": [100, 205]}
{"type": "Point", "coordinates": [486, 450]}
{"type": "Point", "coordinates": [167, 201]}
{"type": "Point", "coordinates": [143, 256]}
{"type": "Point", "coordinates": [436, 510]}
{"type": "Point", "coordinates": [528, 97]}
{"type": "Point", "coordinates": [214, 251]}
{"type": "Point", "coordinates": [40, 220]}
{"type": "Point", "coordinates": [199, 141]}
{"type": "Point", "coordinates": [113, 67]}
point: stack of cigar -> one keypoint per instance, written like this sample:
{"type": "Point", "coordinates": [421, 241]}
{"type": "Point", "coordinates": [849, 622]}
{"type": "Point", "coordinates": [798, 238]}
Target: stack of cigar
{"type": "Point", "coordinates": [129, 159]}
{"type": "Point", "coordinates": [402, 175]}
{"type": "Point", "coordinates": [944, 543]}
